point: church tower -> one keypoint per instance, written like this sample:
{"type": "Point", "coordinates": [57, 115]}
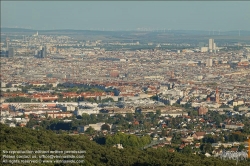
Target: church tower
{"type": "Point", "coordinates": [217, 96]}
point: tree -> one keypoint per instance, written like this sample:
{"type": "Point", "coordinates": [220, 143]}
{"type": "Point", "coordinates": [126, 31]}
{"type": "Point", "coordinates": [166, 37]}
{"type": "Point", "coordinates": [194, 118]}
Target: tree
{"type": "Point", "coordinates": [236, 108]}
{"type": "Point", "coordinates": [85, 116]}
{"type": "Point", "coordinates": [209, 139]}
{"type": "Point", "coordinates": [93, 117]}
{"type": "Point", "coordinates": [133, 141]}
{"type": "Point", "coordinates": [186, 150]}
{"type": "Point", "coordinates": [60, 97]}
{"type": "Point", "coordinates": [18, 99]}
{"type": "Point", "coordinates": [158, 112]}
{"type": "Point", "coordinates": [92, 100]}
{"type": "Point", "coordinates": [119, 137]}
{"type": "Point", "coordinates": [221, 147]}
{"type": "Point", "coordinates": [27, 139]}
{"type": "Point", "coordinates": [241, 147]}
{"type": "Point", "coordinates": [46, 115]}
{"type": "Point", "coordinates": [187, 105]}
{"type": "Point", "coordinates": [154, 97]}
{"type": "Point", "coordinates": [224, 106]}
{"type": "Point", "coordinates": [105, 127]}
{"type": "Point", "coordinates": [206, 148]}
{"type": "Point", "coordinates": [90, 130]}
{"type": "Point", "coordinates": [129, 117]}
{"type": "Point", "coordinates": [109, 99]}
{"type": "Point", "coordinates": [218, 120]}
{"type": "Point", "coordinates": [193, 113]}
{"type": "Point", "coordinates": [164, 133]}
{"type": "Point", "coordinates": [151, 115]}
{"type": "Point", "coordinates": [109, 141]}
{"type": "Point", "coordinates": [100, 117]}
{"type": "Point", "coordinates": [145, 140]}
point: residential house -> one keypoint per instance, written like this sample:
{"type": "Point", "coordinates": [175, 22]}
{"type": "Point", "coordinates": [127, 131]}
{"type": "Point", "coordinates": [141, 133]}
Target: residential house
{"type": "Point", "coordinates": [217, 152]}
{"type": "Point", "coordinates": [198, 135]}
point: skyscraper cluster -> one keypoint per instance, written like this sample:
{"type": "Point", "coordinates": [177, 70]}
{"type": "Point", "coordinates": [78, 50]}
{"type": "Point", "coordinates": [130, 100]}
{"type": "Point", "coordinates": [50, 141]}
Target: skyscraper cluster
{"type": "Point", "coordinates": [10, 51]}
{"type": "Point", "coordinates": [211, 45]}
{"type": "Point", "coordinates": [41, 53]}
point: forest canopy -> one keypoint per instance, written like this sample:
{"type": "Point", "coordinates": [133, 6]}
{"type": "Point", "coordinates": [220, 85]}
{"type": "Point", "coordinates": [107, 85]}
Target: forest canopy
{"type": "Point", "coordinates": [28, 139]}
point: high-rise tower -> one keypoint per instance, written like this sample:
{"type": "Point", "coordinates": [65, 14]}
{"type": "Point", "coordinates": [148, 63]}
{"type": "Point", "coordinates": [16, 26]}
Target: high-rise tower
{"type": "Point", "coordinates": [43, 52]}
{"type": "Point", "coordinates": [7, 43]}
{"type": "Point", "coordinates": [210, 44]}
{"type": "Point", "coordinates": [11, 52]}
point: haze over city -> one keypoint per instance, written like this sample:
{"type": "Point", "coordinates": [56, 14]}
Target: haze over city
{"type": "Point", "coordinates": [128, 15]}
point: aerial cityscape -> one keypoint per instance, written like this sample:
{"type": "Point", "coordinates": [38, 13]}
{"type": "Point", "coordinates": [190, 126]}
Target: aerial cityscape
{"type": "Point", "coordinates": [132, 96]}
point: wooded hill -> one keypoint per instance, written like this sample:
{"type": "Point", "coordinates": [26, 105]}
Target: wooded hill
{"type": "Point", "coordinates": [27, 139]}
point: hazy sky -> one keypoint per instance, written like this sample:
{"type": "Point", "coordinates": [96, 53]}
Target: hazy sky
{"type": "Point", "coordinates": [107, 15]}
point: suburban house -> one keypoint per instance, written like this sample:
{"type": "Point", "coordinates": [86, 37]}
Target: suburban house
{"type": "Point", "coordinates": [198, 135]}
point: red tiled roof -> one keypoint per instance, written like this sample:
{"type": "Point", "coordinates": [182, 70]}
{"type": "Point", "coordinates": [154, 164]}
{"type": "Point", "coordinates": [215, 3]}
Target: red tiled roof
{"type": "Point", "coordinates": [200, 133]}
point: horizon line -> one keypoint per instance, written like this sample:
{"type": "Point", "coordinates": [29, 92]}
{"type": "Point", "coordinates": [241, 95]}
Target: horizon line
{"type": "Point", "coordinates": [113, 30]}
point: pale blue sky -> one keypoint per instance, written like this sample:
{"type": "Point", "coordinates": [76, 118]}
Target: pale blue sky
{"type": "Point", "coordinates": [127, 15]}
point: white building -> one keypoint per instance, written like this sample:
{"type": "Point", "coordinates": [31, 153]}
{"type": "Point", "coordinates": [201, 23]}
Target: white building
{"type": "Point", "coordinates": [87, 111]}
{"type": "Point", "coordinates": [173, 92]}
{"type": "Point", "coordinates": [88, 108]}
{"type": "Point", "coordinates": [204, 49]}
{"type": "Point", "coordinates": [209, 62]}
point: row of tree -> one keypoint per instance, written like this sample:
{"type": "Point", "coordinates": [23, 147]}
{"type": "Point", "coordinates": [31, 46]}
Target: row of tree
{"type": "Point", "coordinates": [19, 99]}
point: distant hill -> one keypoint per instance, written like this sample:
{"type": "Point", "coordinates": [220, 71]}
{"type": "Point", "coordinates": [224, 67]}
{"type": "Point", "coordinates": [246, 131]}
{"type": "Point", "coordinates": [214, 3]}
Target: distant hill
{"type": "Point", "coordinates": [95, 32]}
{"type": "Point", "coordinates": [4, 30]}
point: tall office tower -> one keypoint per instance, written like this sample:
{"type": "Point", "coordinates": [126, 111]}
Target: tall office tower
{"type": "Point", "coordinates": [39, 52]}
{"type": "Point", "coordinates": [214, 48]}
{"type": "Point", "coordinates": [209, 62]}
{"type": "Point", "coordinates": [7, 43]}
{"type": "Point", "coordinates": [36, 52]}
{"type": "Point", "coordinates": [210, 45]}
{"type": "Point", "coordinates": [44, 52]}
{"type": "Point", "coordinates": [40, 55]}
{"type": "Point", "coordinates": [11, 52]}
